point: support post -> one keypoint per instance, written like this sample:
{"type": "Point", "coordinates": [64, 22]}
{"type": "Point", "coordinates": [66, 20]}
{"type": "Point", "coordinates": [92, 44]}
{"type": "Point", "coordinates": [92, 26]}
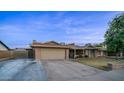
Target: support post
{"type": "Point", "coordinates": [74, 53]}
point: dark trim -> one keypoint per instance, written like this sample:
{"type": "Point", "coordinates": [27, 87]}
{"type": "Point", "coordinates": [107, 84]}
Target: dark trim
{"type": "Point", "coordinates": [4, 45]}
{"type": "Point", "coordinates": [59, 47]}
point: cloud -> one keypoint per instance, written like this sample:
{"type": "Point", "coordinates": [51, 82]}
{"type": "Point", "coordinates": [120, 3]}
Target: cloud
{"type": "Point", "coordinates": [62, 26]}
{"type": "Point", "coordinates": [73, 28]}
{"type": "Point", "coordinates": [9, 28]}
{"type": "Point", "coordinates": [92, 38]}
{"type": "Point", "coordinates": [79, 30]}
{"type": "Point", "coordinates": [85, 35]}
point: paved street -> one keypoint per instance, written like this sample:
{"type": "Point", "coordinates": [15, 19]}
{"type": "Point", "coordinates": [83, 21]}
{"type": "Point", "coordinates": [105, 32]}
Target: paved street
{"type": "Point", "coordinates": [21, 69]}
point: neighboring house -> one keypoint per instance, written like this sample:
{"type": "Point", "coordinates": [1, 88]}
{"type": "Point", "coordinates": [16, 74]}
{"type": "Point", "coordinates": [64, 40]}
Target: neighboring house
{"type": "Point", "coordinates": [50, 50]}
{"type": "Point", "coordinates": [3, 47]}
{"type": "Point", "coordinates": [5, 52]}
{"type": "Point", "coordinates": [53, 50]}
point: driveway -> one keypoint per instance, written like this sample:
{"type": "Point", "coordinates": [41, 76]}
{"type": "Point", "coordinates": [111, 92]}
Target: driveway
{"type": "Point", "coordinates": [73, 71]}
{"type": "Point", "coordinates": [67, 70]}
{"type": "Point", "coordinates": [27, 69]}
{"type": "Point", "coordinates": [21, 69]}
{"type": "Point", "coordinates": [114, 75]}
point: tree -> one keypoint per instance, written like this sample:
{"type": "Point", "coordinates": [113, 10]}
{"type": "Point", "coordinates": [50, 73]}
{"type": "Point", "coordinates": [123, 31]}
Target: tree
{"type": "Point", "coordinates": [100, 45]}
{"type": "Point", "coordinates": [88, 45]}
{"type": "Point", "coordinates": [114, 37]}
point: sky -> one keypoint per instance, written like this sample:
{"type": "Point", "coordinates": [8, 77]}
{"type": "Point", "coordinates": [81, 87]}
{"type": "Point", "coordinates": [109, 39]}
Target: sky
{"type": "Point", "coordinates": [19, 29]}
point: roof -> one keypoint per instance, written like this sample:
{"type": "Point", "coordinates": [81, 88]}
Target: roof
{"type": "Point", "coordinates": [82, 47]}
{"type": "Point", "coordinates": [103, 49]}
{"type": "Point", "coordinates": [49, 44]}
{"type": "Point", "coordinates": [75, 47]}
{"type": "Point", "coordinates": [90, 47]}
{"type": "Point", "coordinates": [4, 45]}
{"type": "Point", "coordinates": [53, 44]}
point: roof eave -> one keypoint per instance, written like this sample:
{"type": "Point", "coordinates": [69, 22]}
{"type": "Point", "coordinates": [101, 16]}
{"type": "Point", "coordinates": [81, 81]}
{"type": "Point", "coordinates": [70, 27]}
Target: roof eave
{"type": "Point", "coordinates": [39, 46]}
{"type": "Point", "coordinates": [5, 45]}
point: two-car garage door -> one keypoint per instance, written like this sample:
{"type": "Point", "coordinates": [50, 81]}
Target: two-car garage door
{"type": "Point", "coordinates": [53, 53]}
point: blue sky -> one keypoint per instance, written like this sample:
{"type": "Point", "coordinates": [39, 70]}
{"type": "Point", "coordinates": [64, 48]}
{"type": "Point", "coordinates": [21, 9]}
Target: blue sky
{"type": "Point", "coordinates": [18, 29]}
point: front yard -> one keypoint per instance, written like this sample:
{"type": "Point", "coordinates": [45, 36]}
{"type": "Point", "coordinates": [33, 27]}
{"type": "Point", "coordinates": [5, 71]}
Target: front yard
{"type": "Point", "coordinates": [100, 63]}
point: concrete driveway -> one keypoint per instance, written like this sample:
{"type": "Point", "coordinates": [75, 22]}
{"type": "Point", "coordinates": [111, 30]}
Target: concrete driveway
{"type": "Point", "coordinates": [27, 69]}
{"type": "Point", "coordinates": [67, 70]}
{"type": "Point", "coordinates": [21, 69]}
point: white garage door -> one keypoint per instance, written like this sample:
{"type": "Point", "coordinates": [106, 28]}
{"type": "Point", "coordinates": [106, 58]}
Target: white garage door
{"type": "Point", "coordinates": [51, 53]}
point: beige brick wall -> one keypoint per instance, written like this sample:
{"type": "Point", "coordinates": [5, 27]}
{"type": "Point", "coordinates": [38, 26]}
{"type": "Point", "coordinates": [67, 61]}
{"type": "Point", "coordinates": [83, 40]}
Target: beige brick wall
{"type": "Point", "coordinates": [37, 53]}
{"type": "Point", "coordinates": [67, 53]}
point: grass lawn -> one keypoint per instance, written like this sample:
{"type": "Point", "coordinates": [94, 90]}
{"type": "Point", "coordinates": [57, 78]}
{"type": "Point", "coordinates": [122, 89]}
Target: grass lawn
{"type": "Point", "coordinates": [100, 63]}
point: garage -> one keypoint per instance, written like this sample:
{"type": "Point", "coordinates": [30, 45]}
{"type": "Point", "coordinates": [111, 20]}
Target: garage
{"type": "Point", "coordinates": [50, 51]}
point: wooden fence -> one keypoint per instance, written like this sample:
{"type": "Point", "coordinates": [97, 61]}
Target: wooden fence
{"type": "Point", "coordinates": [6, 54]}
{"type": "Point", "coordinates": [16, 54]}
{"type": "Point", "coordinates": [20, 54]}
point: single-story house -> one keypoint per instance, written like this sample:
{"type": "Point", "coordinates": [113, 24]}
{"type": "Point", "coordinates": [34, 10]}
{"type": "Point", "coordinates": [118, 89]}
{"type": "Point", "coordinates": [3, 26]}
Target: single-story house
{"type": "Point", "coordinates": [3, 47]}
{"type": "Point", "coordinates": [86, 51]}
{"type": "Point", "coordinates": [50, 51]}
{"type": "Point", "coordinates": [53, 50]}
